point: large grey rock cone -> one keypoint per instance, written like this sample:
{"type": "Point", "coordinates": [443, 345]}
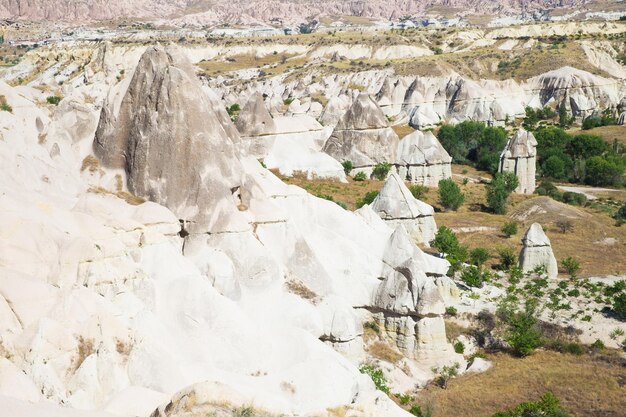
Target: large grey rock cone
{"type": "Point", "coordinates": [396, 205]}
{"type": "Point", "coordinates": [520, 157]}
{"type": "Point", "coordinates": [421, 159]}
{"type": "Point", "coordinates": [537, 251]}
{"type": "Point", "coordinates": [254, 119]}
{"type": "Point", "coordinates": [174, 144]}
{"type": "Point", "coordinates": [363, 136]}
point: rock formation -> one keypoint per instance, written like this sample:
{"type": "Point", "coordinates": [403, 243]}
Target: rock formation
{"type": "Point", "coordinates": [254, 119]}
{"type": "Point", "coordinates": [537, 252]}
{"type": "Point", "coordinates": [290, 144]}
{"type": "Point", "coordinates": [132, 312]}
{"type": "Point", "coordinates": [363, 136]}
{"type": "Point", "coordinates": [200, 179]}
{"type": "Point", "coordinates": [410, 302]}
{"type": "Point", "coordinates": [238, 11]}
{"type": "Point", "coordinates": [422, 160]}
{"type": "Point", "coordinates": [396, 205]}
{"type": "Point", "coordinates": [520, 157]}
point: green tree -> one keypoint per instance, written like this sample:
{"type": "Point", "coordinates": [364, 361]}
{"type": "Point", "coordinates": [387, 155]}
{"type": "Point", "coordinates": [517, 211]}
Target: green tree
{"type": "Point", "coordinates": [586, 146]}
{"type": "Point", "coordinates": [490, 145]}
{"type": "Point", "coordinates": [509, 229]}
{"type": "Point", "coordinates": [564, 118]}
{"type": "Point", "coordinates": [554, 167]}
{"type": "Point", "coordinates": [499, 189]}
{"type": "Point", "coordinates": [522, 333]}
{"type": "Point", "coordinates": [479, 256]}
{"type": "Point", "coordinates": [450, 195]}
{"type": "Point", "coordinates": [604, 170]}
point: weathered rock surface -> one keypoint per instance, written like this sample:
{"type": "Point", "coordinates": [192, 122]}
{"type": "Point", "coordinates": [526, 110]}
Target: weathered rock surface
{"type": "Point", "coordinates": [537, 252]}
{"type": "Point", "coordinates": [422, 160]}
{"type": "Point", "coordinates": [363, 136]}
{"type": "Point", "coordinates": [409, 299]}
{"type": "Point", "coordinates": [200, 179]}
{"type": "Point", "coordinates": [396, 205]}
{"type": "Point", "coordinates": [120, 312]}
{"type": "Point", "coordinates": [520, 157]}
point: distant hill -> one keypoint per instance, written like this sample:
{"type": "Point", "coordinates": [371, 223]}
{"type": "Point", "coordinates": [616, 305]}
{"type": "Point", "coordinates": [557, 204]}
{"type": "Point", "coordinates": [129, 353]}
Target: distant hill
{"type": "Point", "coordinates": [250, 11]}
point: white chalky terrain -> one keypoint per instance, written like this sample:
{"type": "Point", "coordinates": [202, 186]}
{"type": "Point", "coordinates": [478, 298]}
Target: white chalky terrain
{"type": "Point", "coordinates": [227, 285]}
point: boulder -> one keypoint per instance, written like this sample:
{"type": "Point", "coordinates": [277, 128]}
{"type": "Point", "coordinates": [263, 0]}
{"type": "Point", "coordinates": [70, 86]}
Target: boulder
{"type": "Point", "coordinates": [422, 160]}
{"type": "Point", "coordinates": [396, 205]}
{"type": "Point", "coordinates": [520, 157]}
{"type": "Point", "coordinates": [537, 252]}
{"type": "Point", "coordinates": [363, 136]}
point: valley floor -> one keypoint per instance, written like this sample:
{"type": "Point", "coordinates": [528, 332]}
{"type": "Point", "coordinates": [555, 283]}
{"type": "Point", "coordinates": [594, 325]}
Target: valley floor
{"type": "Point", "coordinates": [593, 384]}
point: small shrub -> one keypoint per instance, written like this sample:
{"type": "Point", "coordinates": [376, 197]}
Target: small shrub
{"type": "Point", "coordinates": [418, 191]}
{"type": "Point", "coordinates": [417, 411]}
{"type": "Point", "coordinates": [360, 176]}
{"type": "Point", "coordinates": [472, 277]}
{"type": "Point", "coordinates": [507, 258]}
{"type": "Point", "coordinates": [547, 406]}
{"type": "Point", "coordinates": [571, 266]}
{"type": "Point", "coordinates": [574, 199]}
{"type": "Point", "coordinates": [459, 347]}
{"type": "Point", "coordinates": [368, 198]}
{"type": "Point", "coordinates": [615, 333]}
{"type": "Point", "coordinates": [450, 195]}
{"type": "Point", "coordinates": [564, 225]}
{"type": "Point", "coordinates": [381, 170]}
{"type": "Point", "coordinates": [347, 167]}
{"type": "Point", "coordinates": [479, 256]}
{"type": "Point", "coordinates": [6, 107]}
{"type": "Point", "coordinates": [404, 399]}
{"type": "Point", "coordinates": [451, 311]}
{"type": "Point", "coordinates": [55, 100]}
{"type": "Point", "coordinates": [446, 373]}
{"type": "Point", "coordinates": [373, 326]}
{"type": "Point", "coordinates": [598, 345]}
{"type": "Point", "coordinates": [377, 376]}
{"type": "Point", "coordinates": [509, 229]}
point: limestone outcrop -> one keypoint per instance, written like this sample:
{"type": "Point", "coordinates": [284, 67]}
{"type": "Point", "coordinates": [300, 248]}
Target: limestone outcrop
{"type": "Point", "coordinates": [422, 160]}
{"type": "Point", "coordinates": [363, 136]}
{"type": "Point", "coordinates": [396, 205]}
{"type": "Point", "coordinates": [183, 160]}
{"type": "Point", "coordinates": [409, 301]}
{"type": "Point", "coordinates": [123, 309]}
{"type": "Point", "coordinates": [520, 157]}
{"type": "Point", "coordinates": [254, 119]}
{"type": "Point", "coordinates": [537, 252]}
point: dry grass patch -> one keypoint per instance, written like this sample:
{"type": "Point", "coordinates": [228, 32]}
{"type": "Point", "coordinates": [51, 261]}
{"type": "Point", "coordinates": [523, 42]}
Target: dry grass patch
{"type": "Point", "coordinates": [91, 163]}
{"type": "Point", "coordinates": [608, 133]}
{"type": "Point", "coordinates": [348, 193]}
{"type": "Point", "coordinates": [384, 351]}
{"type": "Point", "coordinates": [85, 348]}
{"type": "Point", "coordinates": [124, 195]}
{"type": "Point", "coordinates": [586, 385]}
{"type": "Point", "coordinates": [298, 288]}
{"type": "Point", "coordinates": [402, 130]}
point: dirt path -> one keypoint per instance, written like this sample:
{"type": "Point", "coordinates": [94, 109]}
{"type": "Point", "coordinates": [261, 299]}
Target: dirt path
{"type": "Point", "coordinates": [586, 191]}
